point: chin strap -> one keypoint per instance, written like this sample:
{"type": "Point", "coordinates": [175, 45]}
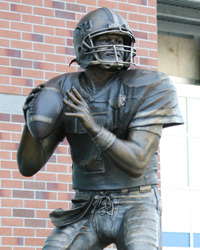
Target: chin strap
{"type": "Point", "coordinates": [72, 61]}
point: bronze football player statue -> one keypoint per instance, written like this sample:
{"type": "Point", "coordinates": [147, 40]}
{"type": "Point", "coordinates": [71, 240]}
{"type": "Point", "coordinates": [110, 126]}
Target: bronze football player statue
{"type": "Point", "coordinates": [113, 119]}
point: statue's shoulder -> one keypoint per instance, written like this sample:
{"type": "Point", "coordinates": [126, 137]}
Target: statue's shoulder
{"type": "Point", "coordinates": [144, 78]}
{"type": "Point", "coordinates": [62, 81]}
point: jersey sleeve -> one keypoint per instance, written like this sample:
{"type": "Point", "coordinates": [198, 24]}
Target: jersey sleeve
{"type": "Point", "coordinates": [157, 104]}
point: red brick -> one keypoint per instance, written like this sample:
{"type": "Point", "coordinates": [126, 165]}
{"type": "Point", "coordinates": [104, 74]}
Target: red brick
{"type": "Point", "coordinates": [64, 32]}
{"type": "Point", "coordinates": [9, 164]}
{"type": "Point", "coordinates": [127, 7]}
{"type": "Point", "coordinates": [71, 24]}
{"type": "Point", "coordinates": [5, 212]}
{"type": "Point", "coordinates": [148, 27]}
{"type": "Point", "coordinates": [5, 80]}
{"type": "Point", "coordinates": [11, 184]}
{"type": "Point", "coordinates": [43, 214]}
{"type": "Point", "coordinates": [44, 66]}
{"type": "Point", "coordinates": [61, 50]}
{"type": "Point", "coordinates": [152, 19]}
{"type": "Point", "coordinates": [10, 34]}
{"type": "Point", "coordinates": [148, 44]}
{"type": "Point", "coordinates": [45, 176]}
{"type": "Point", "coordinates": [153, 36]}
{"type": "Point", "coordinates": [10, 89]}
{"type": "Point", "coordinates": [33, 55]}
{"type": "Point", "coordinates": [34, 241]}
{"type": "Point", "coordinates": [5, 248]}
{"type": "Point", "coordinates": [109, 4]}
{"type": "Point", "coordinates": [5, 193]}
{"type": "Point", "coordinates": [87, 2]}
{"type": "Point", "coordinates": [64, 159]}
{"type": "Point", "coordinates": [33, 73]}
{"type": "Point", "coordinates": [4, 155]}
{"type": "Point", "coordinates": [21, 82]}
{"type": "Point", "coordinates": [34, 204]}
{"type": "Point", "coordinates": [138, 2]}
{"type": "Point", "coordinates": [21, 26]}
{"type": "Point", "coordinates": [54, 4]}
{"type": "Point", "coordinates": [23, 213]}
{"type": "Point", "coordinates": [65, 14]}
{"type": "Point", "coordinates": [65, 196]}
{"type": "Point", "coordinates": [55, 205]}
{"type": "Point", "coordinates": [137, 17]}
{"type": "Point", "coordinates": [4, 6]}
{"type": "Point", "coordinates": [152, 3]}
{"type": "Point", "coordinates": [147, 10]}
{"type": "Point", "coordinates": [56, 186]}
{"type": "Point", "coordinates": [5, 231]}
{"type": "Point", "coordinates": [21, 45]}
{"type": "Point", "coordinates": [12, 222]}
{"type": "Point", "coordinates": [32, 37]}
{"type": "Point", "coordinates": [4, 42]}
{"type": "Point", "coordinates": [34, 185]}
{"type": "Point", "coordinates": [43, 232]}
{"type": "Point", "coordinates": [21, 8]}
{"type": "Point", "coordinates": [23, 232]}
{"type": "Point", "coordinates": [33, 2]}
{"type": "Point", "coordinates": [56, 168]}
{"type": "Point", "coordinates": [4, 117]}
{"type": "Point", "coordinates": [46, 195]}
{"type": "Point", "coordinates": [4, 24]}
{"type": "Point", "coordinates": [44, 47]}
{"type": "Point", "coordinates": [10, 16]}
{"type": "Point", "coordinates": [23, 194]}
{"type": "Point", "coordinates": [147, 61]}
{"type": "Point", "coordinates": [4, 136]}
{"type": "Point", "coordinates": [54, 22]}
{"type": "Point", "coordinates": [12, 241]}
{"type": "Point", "coordinates": [49, 75]}
{"type": "Point", "coordinates": [76, 7]}
{"type": "Point", "coordinates": [153, 53]}
{"type": "Point", "coordinates": [18, 118]}
{"type": "Point", "coordinates": [142, 52]}
{"type": "Point", "coordinates": [10, 52]}
{"type": "Point", "coordinates": [21, 63]}
{"type": "Point", "coordinates": [55, 40]}
{"type": "Point", "coordinates": [16, 137]}
{"type": "Point", "coordinates": [43, 29]}
{"type": "Point", "coordinates": [62, 68]}
{"type": "Point", "coordinates": [54, 58]}
{"type": "Point", "coordinates": [43, 11]}
{"type": "Point", "coordinates": [4, 61]}
{"type": "Point", "coordinates": [65, 177]}
{"type": "Point", "coordinates": [5, 174]}
{"type": "Point", "coordinates": [32, 19]}
{"type": "Point", "coordinates": [141, 35]}
{"type": "Point", "coordinates": [35, 223]}
{"type": "Point", "coordinates": [9, 145]}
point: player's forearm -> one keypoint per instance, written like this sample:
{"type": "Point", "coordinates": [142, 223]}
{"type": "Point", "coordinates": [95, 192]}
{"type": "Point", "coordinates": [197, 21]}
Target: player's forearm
{"type": "Point", "coordinates": [131, 156]}
{"type": "Point", "coordinates": [30, 155]}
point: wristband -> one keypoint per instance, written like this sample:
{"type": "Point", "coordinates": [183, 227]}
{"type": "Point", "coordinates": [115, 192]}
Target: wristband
{"type": "Point", "coordinates": [104, 139]}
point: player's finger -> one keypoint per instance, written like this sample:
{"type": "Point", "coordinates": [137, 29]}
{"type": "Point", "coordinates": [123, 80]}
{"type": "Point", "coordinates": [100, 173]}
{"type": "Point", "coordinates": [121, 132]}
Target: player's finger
{"type": "Point", "coordinates": [73, 98]}
{"type": "Point", "coordinates": [77, 94]}
{"type": "Point", "coordinates": [71, 105]}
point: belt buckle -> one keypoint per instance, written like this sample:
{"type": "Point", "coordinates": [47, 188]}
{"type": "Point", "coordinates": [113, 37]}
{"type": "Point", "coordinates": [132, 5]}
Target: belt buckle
{"type": "Point", "coordinates": [144, 189]}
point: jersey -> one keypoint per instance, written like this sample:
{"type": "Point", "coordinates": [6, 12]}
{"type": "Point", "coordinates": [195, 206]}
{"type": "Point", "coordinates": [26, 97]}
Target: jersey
{"type": "Point", "coordinates": [131, 100]}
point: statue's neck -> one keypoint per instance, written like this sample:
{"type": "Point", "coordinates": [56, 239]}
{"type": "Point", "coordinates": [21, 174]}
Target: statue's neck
{"type": "Point", "coordinates": [96, 78]}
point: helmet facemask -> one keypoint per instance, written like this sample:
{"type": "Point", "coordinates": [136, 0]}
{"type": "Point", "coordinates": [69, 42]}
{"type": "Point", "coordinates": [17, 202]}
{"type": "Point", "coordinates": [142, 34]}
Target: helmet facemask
{"type": "Point", "coordinates": [117, 62]}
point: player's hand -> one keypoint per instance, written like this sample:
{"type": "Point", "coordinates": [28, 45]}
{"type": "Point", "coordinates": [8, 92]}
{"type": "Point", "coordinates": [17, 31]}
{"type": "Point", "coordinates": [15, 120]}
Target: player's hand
{"type": "Point", "coordinates": [80, 109]}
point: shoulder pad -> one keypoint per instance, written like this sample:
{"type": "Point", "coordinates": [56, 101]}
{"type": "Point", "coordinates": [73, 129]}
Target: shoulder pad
{"type": "Point", "coordinates": [143, 77]}
{"type": "Point", "coordinates": [60, 80]}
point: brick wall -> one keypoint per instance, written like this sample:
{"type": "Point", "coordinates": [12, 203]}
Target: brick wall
{"type": "Point", "coordinates": [35, 45]}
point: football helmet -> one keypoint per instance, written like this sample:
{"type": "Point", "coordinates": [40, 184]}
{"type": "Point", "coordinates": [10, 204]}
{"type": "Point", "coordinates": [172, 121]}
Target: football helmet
{"type": "Point", "coordinates": [100, 22]}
